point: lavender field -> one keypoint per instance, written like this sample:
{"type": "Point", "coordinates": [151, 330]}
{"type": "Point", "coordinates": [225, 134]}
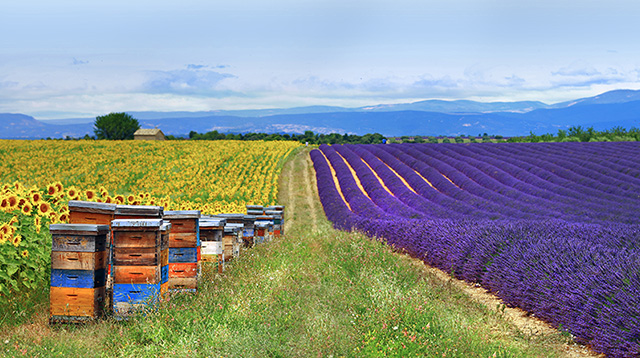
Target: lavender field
{"type": "Point", "coordinates": [552, 228]}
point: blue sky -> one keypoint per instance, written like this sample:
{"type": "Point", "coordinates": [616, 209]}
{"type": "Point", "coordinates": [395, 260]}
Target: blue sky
{"type": "Point", "coordinates": [74, 58]}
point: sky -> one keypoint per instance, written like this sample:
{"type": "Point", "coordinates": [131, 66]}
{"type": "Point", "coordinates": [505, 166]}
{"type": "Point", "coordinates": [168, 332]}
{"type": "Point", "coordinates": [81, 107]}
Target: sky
{"type": "Point", "coordinates": [78, 58]}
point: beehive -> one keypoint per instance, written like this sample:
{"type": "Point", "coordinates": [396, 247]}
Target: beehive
{"type": "Point", "coordinates": [230, 241]}
{"type": "Point", "coordinates": [260, 231]}
{"type": "Point", "coordinates": [78, 272]}
{"type": "Point", "coordinates": [138, 212]}
{"type": "Point", "coordinates": [255, 210]}
{"type": "Point", "coordinates": [184, 249]}
{"type": "Point", "coordinates": [280, 209]}
{"type": "Point", "coordinates": [140, 270]}
{"type": "Point", "coordinates": [211, 233]}
{"type": "Point", "coordinates": [277, 221]}
{"type": "Point", "coordinates": [248, 230]}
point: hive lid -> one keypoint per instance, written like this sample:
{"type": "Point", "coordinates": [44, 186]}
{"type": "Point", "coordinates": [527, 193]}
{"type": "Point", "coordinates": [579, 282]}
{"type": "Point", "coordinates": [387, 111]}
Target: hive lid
{"type": "Point", "coordinates": [275, 207]}
{"type": "Point", "coordinates": [254, 207]}
{"type": "Point", "coordinates": [231, 229]}
{"type": "Point", "coordinates": [91, 205]}
{"type": "Point", "coordinates": [263, 223]}
{"type": "Point", "coordinates": [273, 213]}
{"type": "Point", "coordinates": [142, 210]}
{"type": "Point", "coordinates": [98, 229]}
{"type": "Point", "coordinates": [182, 214]}
{"type": "Point", "coordinates": [230, 216]}
{"type": "Point", "coordinates": [153, 223]}
{"type": "Point", "coordinates": [165, 226]}
{"type": "Point", "coordinates": [210, 224]}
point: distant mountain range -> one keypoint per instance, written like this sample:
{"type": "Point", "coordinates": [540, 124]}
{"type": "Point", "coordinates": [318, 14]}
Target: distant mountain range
{"type": "Point", "coordinates": [430, 117]}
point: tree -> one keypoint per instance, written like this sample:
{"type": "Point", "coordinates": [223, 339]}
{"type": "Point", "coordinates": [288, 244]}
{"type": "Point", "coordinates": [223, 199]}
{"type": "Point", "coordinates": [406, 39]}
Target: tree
{"type": "Point", "coordinates": [115, 126]}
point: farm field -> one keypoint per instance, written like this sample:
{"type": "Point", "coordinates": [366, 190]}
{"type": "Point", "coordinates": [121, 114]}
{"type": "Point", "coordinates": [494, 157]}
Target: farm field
{"type": "Point", "coordinates": [550, 228]}
{"type": "Point", "coordinates": [317, 291]}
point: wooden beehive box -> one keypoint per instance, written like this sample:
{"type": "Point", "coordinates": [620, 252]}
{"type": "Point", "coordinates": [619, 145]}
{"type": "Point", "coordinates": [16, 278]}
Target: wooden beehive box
{"type": "Point", "coordinates": [211, 233]}
{"type": "Point", "coordinates": [86, 212]}
{"type": "Point", "coordinates": [260, 231]}
{"type": "Point", "coordinates": [140, 263]}
{"type": "Point", "coordinates": [230, 241]}
{"type": "Point", "coordinates": [184, 249]}
{"type": "Point", "coordinates": [277, 221]}
{"type": "Point", "coordinates": [248, 230]}
{"type": "Point", "coordinates": [78, 272]}
{"type": "Point", "coordinates": [255, 210]}
{"type": "Point", "coordinates": [130, 212]}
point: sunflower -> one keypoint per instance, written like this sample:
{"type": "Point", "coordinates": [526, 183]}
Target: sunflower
{"type": "Point", "coordinates": [13, 202]}
{"type": "Point", "coordinates": [26, 208]}
{"type": "Point", "coordinates": [63, 217]}
{"type": "Point", "coordinates": [3, 238]}
{"type": "Point", "coordinates": [131, 199]}
{"type": "Point", "coordinates": [90, 194]}
{"type": "Point", "coordinates": [37, 223]}
{"type": "Point", "coordinates": [119, 199]}
{"type": "Point", "coordinates": [4, 204]}
{"type": "Point", "coordinates": [52, 189]}
{"type": "Point", "coordinates": [25, 253]}
{"type": "Point", "coordinates": [59, 186]}
{"type": "Point", "coordinates": [14, 220]}
{"type": "Point", "coordinates": [72, 193]}
{"type": "Point", "coordinates": [53, 216]}
{"type": "Point", "coordinates": [35, 197]}
{"type": "Point", "coordinates": [4, 229]}
{"type": "Point", "coordinates": [108, 200]}
{"type": "Point", "coordinates": [44, 208]}
{"type": "Point", "coordinates": [16, 240]}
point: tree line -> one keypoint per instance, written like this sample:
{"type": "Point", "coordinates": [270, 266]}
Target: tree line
{"type": "Point", "coordinates": [308, 137]}
{"type": "Point", "coordinates": [579, 134]}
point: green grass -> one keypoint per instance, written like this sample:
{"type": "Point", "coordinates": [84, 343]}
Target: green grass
{"type": "Point", "coordinates": [315, 292]}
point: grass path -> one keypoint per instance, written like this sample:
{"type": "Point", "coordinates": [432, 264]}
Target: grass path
{"type": "Point", "coordinates": [317, 292]}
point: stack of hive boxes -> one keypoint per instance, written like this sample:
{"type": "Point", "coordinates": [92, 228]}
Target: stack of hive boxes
{"type": "Point", "coordinates": [211, 233]}
{"type": "Point", "coordinates": [184, 249]}
{"type": "Point", "coordinates": [140, 270]}
{"type": "Point", "coordinates": [78, 272]}
{"type": "Point", "coordinates": [248, 231]}
{"type": "Point", "coordinates": [278, 212]}
{"type": "Point", "coordinates": [86, 212]}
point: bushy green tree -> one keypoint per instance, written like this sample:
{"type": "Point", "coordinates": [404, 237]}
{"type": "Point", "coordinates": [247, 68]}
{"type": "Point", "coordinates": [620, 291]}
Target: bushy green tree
{"type": "Point", "coordinates": [115, 126]}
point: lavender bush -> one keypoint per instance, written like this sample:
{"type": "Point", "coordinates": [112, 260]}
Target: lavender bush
{"type": "Point", "coordinates": [553, 228]}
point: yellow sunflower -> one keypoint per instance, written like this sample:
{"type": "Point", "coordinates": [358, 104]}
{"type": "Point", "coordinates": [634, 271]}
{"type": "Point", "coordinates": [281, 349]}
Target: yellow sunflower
{"type": "Point", "coordinates": [25, 253]}
{"type": "Point", "coordinates": [90, 194]}
{"type": "Point", "coordinates": [4, 204]}
{"type": "Point", "coordinates": [16, 240]}
{"type": "Point", "coordinates": [26, 208]}
{"type": "Point", "coordinates": [131, 199]}
{"type": "Point", "coordinates": [35, 197]}
{"type": "Point", "coordinates": [52, 189]}
{"type": "Point", "coordinates": [3, 239]}
{"type": "Point", "coordinates": [59, 187]}
{"type": "Point", "coordinates": [44, 208]}
{"type": "Point", "coordinates": [37, 223]}
{"type": "Point", "coordinates": [72, 193]}
{"type": "Point", "coordinates": [13, 202]}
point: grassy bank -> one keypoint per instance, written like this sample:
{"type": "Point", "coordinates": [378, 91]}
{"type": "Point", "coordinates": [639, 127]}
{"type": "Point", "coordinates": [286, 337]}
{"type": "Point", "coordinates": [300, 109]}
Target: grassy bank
{"type": "Point", "coordinates": [316, 292]}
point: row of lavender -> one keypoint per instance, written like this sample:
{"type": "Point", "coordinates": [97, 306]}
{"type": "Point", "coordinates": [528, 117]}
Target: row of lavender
{"type": "Point", "coordinates": [551, 228]}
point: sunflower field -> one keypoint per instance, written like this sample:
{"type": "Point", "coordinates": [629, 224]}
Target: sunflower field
{"type": "Point", "coordinates": [38, 178]}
